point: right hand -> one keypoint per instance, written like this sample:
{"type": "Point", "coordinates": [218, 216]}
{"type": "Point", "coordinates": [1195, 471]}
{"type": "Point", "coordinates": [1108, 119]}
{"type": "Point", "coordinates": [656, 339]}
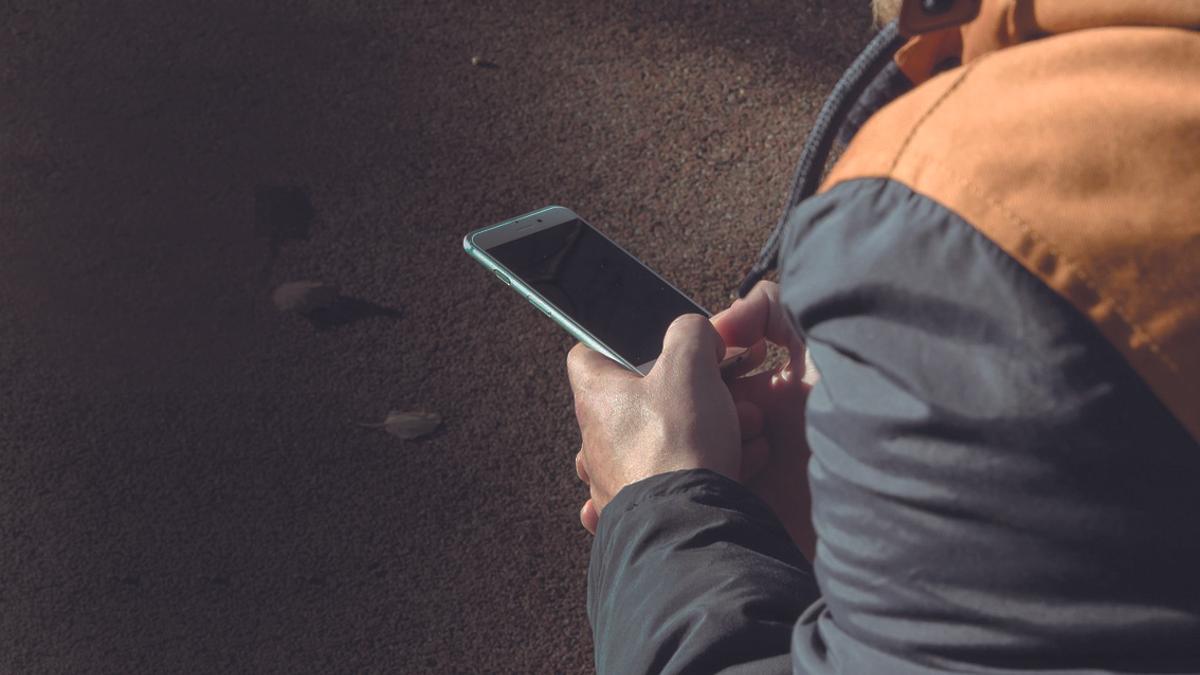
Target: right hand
{"type": "Point", "coordinates": [770, 408]}
{"type": "Point", "coordinates": [679, 416]}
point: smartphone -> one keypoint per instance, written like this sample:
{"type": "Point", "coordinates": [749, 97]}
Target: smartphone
{"type": "Point", "coordinates": [586, 283]}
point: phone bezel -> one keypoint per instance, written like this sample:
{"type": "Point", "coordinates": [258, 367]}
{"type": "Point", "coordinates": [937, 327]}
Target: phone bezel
{"type": "Point", "coordinates": [477, 243]}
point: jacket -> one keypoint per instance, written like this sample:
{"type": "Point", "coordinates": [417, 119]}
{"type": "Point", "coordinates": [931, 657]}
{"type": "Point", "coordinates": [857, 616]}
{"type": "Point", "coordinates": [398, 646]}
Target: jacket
{"type": "Point", "coordinates": [999, 283]}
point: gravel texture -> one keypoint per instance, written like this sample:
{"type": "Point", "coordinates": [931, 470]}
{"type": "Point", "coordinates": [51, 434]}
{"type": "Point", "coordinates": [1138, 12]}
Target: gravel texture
{"type": "Point", "coordinates": [185, 485]}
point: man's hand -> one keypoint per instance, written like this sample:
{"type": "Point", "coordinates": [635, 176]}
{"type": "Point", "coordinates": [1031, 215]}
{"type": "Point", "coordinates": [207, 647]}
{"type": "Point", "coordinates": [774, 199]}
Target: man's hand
{"type": "Point", "coordinates": [776, 467]}
{"type": "Point", "coordinates": [679, 416]}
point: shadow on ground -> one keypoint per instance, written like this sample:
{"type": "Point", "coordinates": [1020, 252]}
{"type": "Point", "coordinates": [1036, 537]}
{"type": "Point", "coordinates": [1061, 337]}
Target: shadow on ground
{"type": "Point", "coordinates": [184, 486]}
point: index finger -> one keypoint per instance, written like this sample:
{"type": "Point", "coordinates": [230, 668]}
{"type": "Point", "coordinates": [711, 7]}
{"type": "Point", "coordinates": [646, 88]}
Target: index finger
{"type": "Point", "coordinates": [759, 316]}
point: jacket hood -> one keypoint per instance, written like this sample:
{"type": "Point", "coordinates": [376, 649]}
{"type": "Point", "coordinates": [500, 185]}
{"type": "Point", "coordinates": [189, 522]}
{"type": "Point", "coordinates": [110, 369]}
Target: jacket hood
{"type": "Point", "coordinates": [1004, 23]}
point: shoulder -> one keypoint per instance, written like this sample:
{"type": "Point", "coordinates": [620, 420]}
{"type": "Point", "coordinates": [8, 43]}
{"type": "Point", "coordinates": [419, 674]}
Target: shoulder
{"type": "Point", "coordinates": [1066, 153]}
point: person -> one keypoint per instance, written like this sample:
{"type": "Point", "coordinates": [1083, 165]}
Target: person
{"type": "Point", "coordinates": [998, 469]}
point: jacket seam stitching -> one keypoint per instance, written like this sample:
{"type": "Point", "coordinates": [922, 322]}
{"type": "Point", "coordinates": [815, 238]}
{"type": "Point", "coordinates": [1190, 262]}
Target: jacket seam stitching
{"type": "Point", "coordinates": [929, 113]}
{"type": "Point", "coordinates": [685, 491]}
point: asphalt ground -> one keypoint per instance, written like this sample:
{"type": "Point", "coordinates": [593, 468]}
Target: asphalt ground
{"type": "Point", "coordinates": [183, 483]}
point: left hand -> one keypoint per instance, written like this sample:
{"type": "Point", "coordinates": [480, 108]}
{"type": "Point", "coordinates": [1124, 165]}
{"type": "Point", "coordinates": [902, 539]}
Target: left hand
{"type": "Point", "coordinates": [778, 472]}
{"type": "Point", "coordinates": [679, 416]}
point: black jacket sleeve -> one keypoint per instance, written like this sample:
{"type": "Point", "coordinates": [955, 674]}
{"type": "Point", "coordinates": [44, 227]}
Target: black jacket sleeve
{"type": "Point", "coordinates": [690, 572]}
{"type": "Point", "coordinates": [994, 489]}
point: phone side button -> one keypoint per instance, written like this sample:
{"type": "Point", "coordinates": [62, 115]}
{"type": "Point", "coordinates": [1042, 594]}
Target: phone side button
{"type": "Point", "coordinates": [502, 277]}
{"type": "Point", "coordinates": [541, 309]}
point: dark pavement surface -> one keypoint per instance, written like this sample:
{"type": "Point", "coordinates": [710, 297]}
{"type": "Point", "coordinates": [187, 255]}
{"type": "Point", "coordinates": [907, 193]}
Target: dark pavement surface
{"type": "Point", "coordinates": [183, 487]}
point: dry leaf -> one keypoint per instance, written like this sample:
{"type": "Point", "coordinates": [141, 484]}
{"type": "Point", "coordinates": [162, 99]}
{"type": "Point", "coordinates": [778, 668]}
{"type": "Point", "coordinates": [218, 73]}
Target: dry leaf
{"type": "Point", "coordinates": [304, 296]}
{"type": "Point", "coordinates": [409, 425]}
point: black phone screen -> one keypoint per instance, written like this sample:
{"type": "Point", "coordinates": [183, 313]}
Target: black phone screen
{"type": "Point", "coordinates": [602, 288]}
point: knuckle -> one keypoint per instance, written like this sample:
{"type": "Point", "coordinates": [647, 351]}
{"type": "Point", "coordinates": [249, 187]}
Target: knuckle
{"type": "Point", "coordinates": [687, 335]}
{"type": "Point", "coordinates": [575, 354]}
{"type": "Point", "coordinates": [689, 322]}
{"type": "Point", "coordinates": [772, 292]}
{"type": "Point", "coordinates": [577, 360]}
{"type": "Point", "coordinates": [769, 290]}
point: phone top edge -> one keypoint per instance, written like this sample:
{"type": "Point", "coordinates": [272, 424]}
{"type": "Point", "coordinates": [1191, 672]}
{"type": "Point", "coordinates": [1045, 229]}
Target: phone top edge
{"type": "Point", "coordinates": [565, 216]}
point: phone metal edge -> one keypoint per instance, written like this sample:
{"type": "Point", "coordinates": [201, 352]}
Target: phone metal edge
{"type": "Point", "coordinates": [510, 221]}
{"type": "Point", "coordinates": [548, 308]}
{"type": "Point", "coordinates": [534, 298]}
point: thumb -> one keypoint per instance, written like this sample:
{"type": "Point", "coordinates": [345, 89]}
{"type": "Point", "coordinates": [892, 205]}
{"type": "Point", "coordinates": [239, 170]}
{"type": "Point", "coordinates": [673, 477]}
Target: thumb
{"type": "Point", "coordinates": [758, 316]}
{"type": "Point", "coordinates": [692, 345]}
